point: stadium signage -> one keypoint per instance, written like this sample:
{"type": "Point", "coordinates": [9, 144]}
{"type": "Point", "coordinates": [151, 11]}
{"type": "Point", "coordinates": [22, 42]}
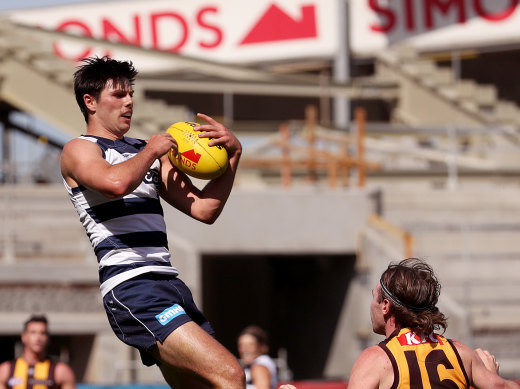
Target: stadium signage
{"type": "Point", "coordinates": [432, 24]}
{"type": "Point", "coordinates": [225, 30]}
{"type": "Point", "coordinates": [411, 20]}
{"type": "Point", "coordinates": [237, 31]}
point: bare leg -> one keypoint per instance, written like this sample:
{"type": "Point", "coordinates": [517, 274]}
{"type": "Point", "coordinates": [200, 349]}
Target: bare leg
{"type": "Point", "coordinates": [194, 359]}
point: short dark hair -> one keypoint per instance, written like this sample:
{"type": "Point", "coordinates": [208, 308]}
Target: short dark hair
{"type": "Point", "coordinates": [91, 77]}
{"type": "Point", "coordinates": [35, 319]}
{"type": "Point", "coordinates": [258, 333]}
{"type": "Point", "coordinates": [413, 290]}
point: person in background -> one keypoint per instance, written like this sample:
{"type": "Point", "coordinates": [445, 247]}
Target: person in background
{"type": "Point", "coordinates": [259, 367]}
{"type": "Point", "coordinates": [34, 369]}
{"type": "Point", "coordinates": [414, 354]}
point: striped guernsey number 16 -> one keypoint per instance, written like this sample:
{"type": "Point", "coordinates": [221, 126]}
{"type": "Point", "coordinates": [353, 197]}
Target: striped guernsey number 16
{"type": "Point", "coordinates": [433, 360]}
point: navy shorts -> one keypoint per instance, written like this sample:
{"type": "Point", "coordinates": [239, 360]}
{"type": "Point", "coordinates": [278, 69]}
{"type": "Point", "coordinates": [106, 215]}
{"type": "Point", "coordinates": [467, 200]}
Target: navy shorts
{"type": "Point", "coordinates": [147, 308]}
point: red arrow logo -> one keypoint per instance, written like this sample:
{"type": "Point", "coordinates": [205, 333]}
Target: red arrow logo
{"type": "Point", "coordinates": [276, 25]}
{"type": "Point", "coordinates": [191, 155]}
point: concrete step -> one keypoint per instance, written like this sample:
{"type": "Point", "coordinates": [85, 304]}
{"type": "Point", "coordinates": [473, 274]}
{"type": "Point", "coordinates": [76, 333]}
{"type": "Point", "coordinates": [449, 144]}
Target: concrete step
{"type": "Point", "coordinates": [468, 91]}
{"type": "Point", "coordinates": [468, 291]}
{"type": "Point", "coordinates": [465, 269]}
{"type": "Point", "coordinates": [507, 111]}
{"type": "Point", "coordinates": [482, 244]}
{"type": "Point", "coordinates": [504, 317]}
{"type": "Point", "coordinates": [458, 200]}
{"type": "Point", "coordinates": [478, 102]}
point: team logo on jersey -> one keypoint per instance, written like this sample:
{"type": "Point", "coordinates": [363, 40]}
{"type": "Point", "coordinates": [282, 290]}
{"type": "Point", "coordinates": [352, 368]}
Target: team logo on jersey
{"type": "Point", "coordinates": [152, 177]}
{"type": "Point", "coordinates": [169, 314]}
{"type": "Point", "coordinates": [13, 381]}
{"type": "Point", "coordinates": [410, 338]}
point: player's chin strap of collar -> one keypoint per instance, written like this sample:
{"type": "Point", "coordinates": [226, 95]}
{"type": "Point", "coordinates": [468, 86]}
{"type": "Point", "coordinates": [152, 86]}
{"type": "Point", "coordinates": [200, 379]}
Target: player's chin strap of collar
{"type": "Point", "coordinates": [398, 302]}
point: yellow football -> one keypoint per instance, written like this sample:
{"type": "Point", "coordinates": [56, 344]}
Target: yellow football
{"type": "Point", "coordinates": [195, 157]}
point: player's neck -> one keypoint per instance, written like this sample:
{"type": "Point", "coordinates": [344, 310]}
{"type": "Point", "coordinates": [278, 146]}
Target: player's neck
{"type": "Point", "coordinates": [32, 358]}
{"type": "Point", "coordinates": [390, 326]}
{"type": "Point", "coordinates": [103, 133]}
{"type": "Point", "coordinates": [96, 128]}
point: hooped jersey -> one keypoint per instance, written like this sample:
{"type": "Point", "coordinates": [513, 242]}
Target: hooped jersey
{"type": "Point", "coordinates": [38, 376]}
{"type": "Point", "coordinates": [424, 363]}
{"type": "Point", "coordinates": [128, 234]}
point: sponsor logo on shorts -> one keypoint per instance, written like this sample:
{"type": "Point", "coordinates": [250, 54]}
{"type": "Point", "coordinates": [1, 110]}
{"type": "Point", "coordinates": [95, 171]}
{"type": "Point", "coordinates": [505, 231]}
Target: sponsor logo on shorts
{"type": "Point", "coordinates": [169, 314]}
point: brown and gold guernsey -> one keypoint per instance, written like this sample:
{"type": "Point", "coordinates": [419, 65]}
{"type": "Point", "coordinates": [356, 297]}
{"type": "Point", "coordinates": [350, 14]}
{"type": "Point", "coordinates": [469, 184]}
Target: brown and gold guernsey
{"type": "Point", "coordinates": [424, 363]}
{"type": "Point", "coordinates": [25, 376]}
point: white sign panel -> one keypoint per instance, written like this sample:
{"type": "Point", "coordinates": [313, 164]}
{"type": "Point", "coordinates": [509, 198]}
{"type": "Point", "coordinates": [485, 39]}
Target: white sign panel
{"type": "Point", "coordinates": [233, 31]}
{"type": "Point", "coordinates": [432, 24]}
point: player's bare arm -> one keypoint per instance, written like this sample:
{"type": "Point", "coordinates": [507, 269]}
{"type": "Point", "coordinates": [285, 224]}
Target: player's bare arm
{"type": "Point", "coordinates": [261, 377]}
{"type": "Point", "coordinates": [82, 163]}
{"type": "Point", "coordinates": [371, 370]}
{"type": "Point", "coordinates": [64, 375]}
{"type": "Point", "coordinates": [204, 205]}
{"type": "Point", "coordinates": [491, 364]}
{"type": "Point", "coordinates": [482, 368]}
{"type": "Point", "coordinates": [4, 374]}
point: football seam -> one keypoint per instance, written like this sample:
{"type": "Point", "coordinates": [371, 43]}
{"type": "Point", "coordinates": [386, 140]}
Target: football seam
{"type": "Point", "coordinates": [202, 145]}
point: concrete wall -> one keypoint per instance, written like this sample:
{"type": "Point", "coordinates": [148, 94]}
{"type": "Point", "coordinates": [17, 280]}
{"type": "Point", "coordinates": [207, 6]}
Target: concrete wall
{"type": "Point", "coordinates": [304, 220]}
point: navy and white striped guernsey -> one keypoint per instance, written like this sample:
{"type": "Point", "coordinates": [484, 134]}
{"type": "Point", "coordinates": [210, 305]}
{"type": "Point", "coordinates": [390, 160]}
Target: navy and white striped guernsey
{"type": "Point", "coordinates": [128, 234]}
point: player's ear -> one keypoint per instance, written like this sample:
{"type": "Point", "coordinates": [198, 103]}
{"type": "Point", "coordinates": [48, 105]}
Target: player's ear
{"type": "Point", "coordinates": [90, 102]}
{"type": "Point", "coordinates": [386, 306]}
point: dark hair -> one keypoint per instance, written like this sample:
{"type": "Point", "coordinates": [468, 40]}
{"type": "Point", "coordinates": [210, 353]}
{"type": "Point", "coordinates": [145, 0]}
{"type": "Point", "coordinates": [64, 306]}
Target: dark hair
{"type": "Point", "coordinates": [35, 319]}
{"type": "Point", "coordinates": [258, 333]}
{"type": "Point", "coordinates": [91, 77]}
{"type": "Point", "coordinates": [413, 291]}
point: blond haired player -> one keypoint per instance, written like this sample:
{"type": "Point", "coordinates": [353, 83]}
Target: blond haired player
{"type": "Point", "coordinates": [414, 355]}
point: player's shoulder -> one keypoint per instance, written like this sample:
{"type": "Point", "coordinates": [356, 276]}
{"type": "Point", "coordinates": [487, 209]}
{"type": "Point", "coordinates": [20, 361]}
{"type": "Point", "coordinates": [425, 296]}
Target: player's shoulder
{"type": "Point", "coordinates": [80, 141]}
{"type": "Point", "coordinates": [463, 349]}
{"type": "Point", "coordinates": [466, 354]}
{"type": "Point", "coordinates": [84, 144]}
{"type": "Point", "coordinates": [5, 368]}
{"type": "Point", "coordinates": [372, 368]}
{"type": "Point", "coordinates": [63, 366]}
{"type": "Point", "coordinates": [373, 355]}
{"type": "Point", "coordinates": [63, 372]}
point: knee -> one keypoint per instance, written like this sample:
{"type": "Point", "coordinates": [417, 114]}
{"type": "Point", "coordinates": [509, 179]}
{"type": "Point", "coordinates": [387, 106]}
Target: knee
{"type": "Point", "coordinates": [240, 377]}
{"type": "Point", "coordinates": [235, 377]}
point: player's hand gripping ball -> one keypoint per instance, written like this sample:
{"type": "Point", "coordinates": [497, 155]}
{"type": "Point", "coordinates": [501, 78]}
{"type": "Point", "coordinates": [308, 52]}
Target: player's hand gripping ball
{"type": "Point", "coordinates": [194, 156]}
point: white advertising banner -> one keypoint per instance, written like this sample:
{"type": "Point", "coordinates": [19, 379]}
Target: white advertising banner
{"type": "Point", "coordinates": [231, 31]}
{"type": "Point", "coordinates": [242, 31]}
{"type": "Point", "coordinates": [432, 24]}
